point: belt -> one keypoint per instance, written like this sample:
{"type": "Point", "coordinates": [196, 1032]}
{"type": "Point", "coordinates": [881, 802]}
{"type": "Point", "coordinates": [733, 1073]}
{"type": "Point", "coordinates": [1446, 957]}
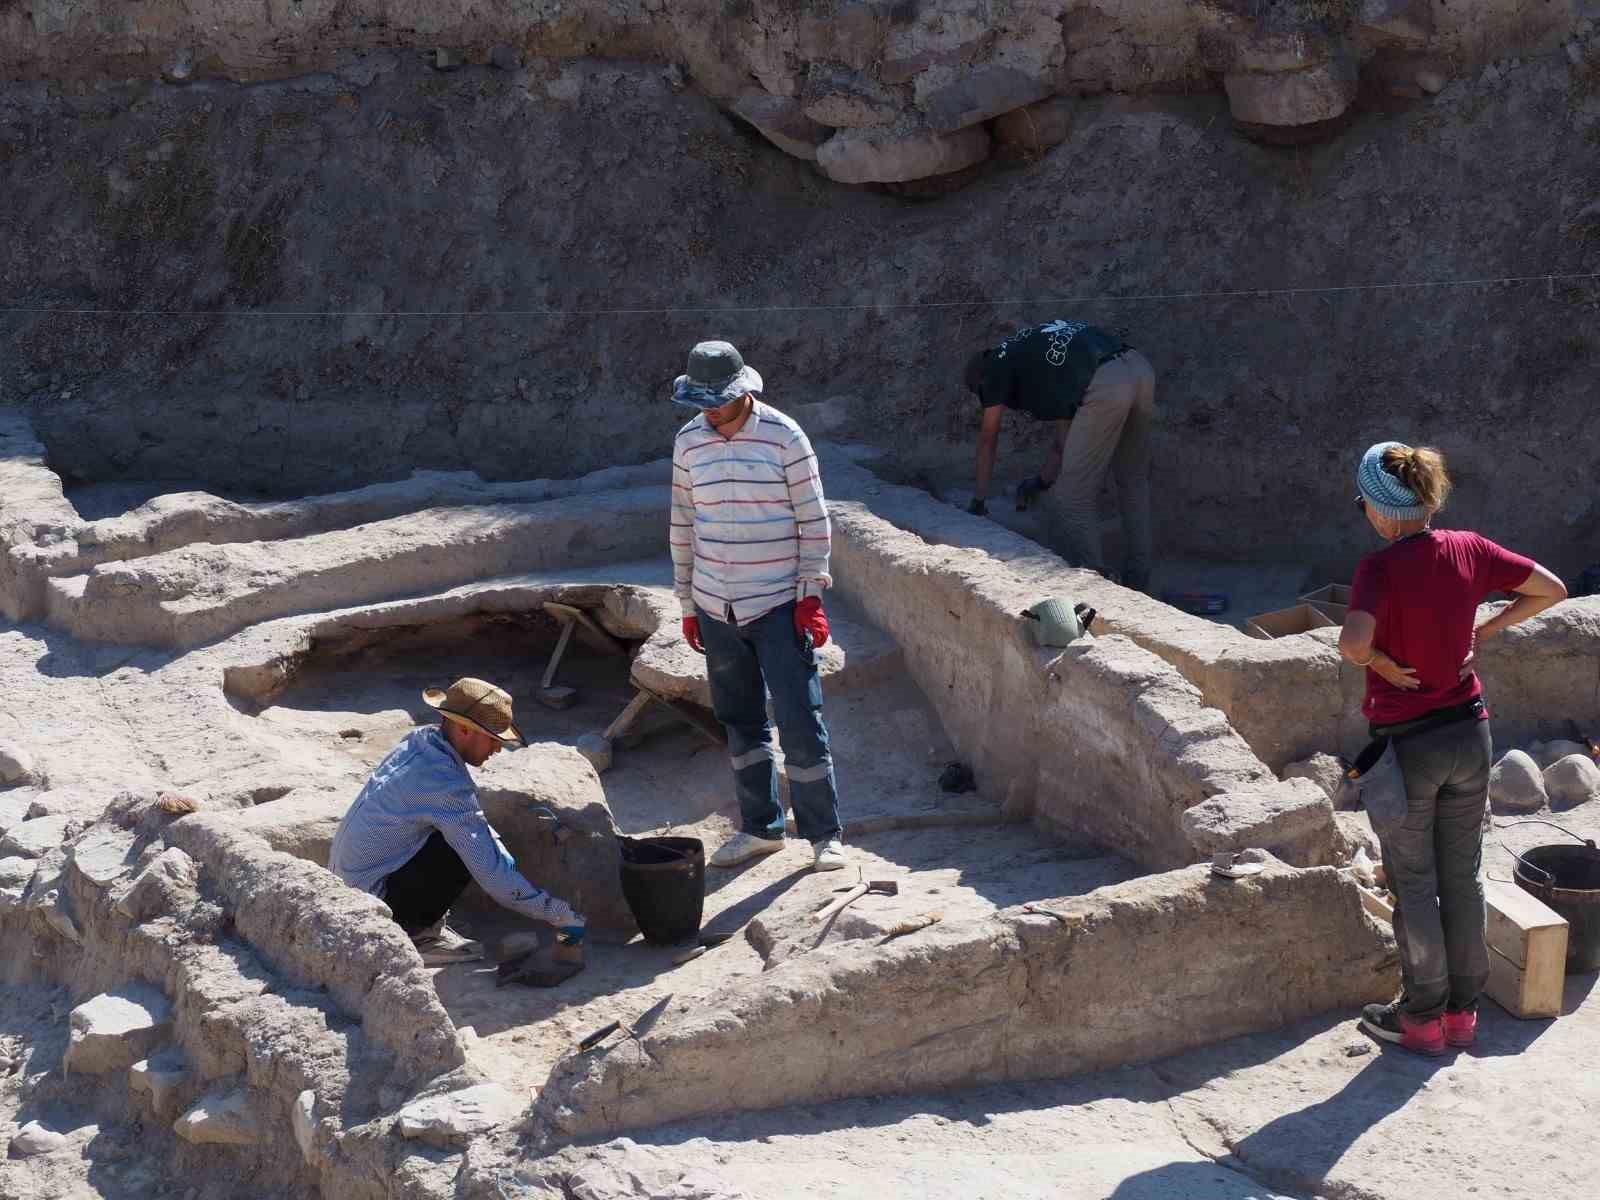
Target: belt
{"type": "Point", "coordinates": [1470, 711]}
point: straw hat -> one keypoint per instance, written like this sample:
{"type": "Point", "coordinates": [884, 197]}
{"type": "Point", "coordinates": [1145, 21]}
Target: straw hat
{"type": "Point", "coordinates": [478, 705]}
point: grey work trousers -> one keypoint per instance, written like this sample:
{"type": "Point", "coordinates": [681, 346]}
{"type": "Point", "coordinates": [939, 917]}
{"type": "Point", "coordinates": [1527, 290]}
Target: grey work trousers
{"type": "Point", "coordinates": [1111, 430]}
{"type": "Point", "coordinates": [1432, 857]}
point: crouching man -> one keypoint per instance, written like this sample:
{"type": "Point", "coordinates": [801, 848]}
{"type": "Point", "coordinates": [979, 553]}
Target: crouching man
{"type": "Point", "coordinates": [416, 834]}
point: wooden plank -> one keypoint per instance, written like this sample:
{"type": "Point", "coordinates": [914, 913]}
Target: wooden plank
{"type": "Point", "coordinates": [1519, 921]}
{"type": "Point", "coordinates": [1378, 906]}
{"type": "Point", "coordinates": [1520, 992]}
{"type": "Point", "coordinates": [628, 716]}
{"type": "Point", "coordinates": [601, 639]}
{"type": "Point", "coordinates": [555, 658]}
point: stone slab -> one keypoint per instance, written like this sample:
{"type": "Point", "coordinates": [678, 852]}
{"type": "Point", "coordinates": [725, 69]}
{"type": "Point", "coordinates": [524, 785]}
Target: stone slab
{"type": "Point", "coordinates": [457, 1117]}
{"type": "Point", "coordinates": [114, 1030]}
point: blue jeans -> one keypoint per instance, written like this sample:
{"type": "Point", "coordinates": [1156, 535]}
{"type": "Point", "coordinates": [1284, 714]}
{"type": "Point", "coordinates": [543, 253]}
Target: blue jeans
{"type": "Point", "coordinates": [743, 663]}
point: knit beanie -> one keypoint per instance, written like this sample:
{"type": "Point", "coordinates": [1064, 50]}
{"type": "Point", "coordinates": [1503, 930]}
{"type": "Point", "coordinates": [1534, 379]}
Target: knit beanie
{"type": "Point", "coordinates": [1384, 492]}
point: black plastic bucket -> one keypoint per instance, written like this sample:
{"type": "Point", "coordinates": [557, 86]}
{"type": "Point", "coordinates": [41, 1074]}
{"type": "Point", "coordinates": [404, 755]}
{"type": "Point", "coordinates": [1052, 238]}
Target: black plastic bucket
{"type": "Point", "coordinates": [1567, 878]}
{"type": "Point", "coordinates": [664, 883]}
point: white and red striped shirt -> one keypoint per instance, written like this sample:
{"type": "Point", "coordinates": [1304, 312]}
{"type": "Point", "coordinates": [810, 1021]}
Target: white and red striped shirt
{"type": "Point", "coordinates": [749, 525]}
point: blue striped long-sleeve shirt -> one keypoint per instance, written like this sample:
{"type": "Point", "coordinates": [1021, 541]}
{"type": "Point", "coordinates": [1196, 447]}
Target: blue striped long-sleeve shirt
{"type": "Point", "coordinates": [749, 523]}
{"type": "Point", "coordinates": [421, 786]}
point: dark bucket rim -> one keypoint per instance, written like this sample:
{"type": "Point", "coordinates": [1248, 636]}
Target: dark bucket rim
{"type": "Point", "coordinates": [1543, 858]}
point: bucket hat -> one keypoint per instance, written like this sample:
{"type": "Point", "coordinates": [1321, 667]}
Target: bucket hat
{"type": "Point", "coordinates": [478, 705]}
{"type": "Point", "coordinates": [717, 375]}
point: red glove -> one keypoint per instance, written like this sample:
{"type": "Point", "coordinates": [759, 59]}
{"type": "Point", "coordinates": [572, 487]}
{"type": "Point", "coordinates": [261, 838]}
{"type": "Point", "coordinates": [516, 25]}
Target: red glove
{"type": "Point", "coordinates": [809, 618]}
{"type": "Point", "coordinates": [691, 634]}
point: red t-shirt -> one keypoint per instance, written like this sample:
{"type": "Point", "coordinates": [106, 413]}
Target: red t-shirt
{"type": "Point", "coordinates": [1424, 592]}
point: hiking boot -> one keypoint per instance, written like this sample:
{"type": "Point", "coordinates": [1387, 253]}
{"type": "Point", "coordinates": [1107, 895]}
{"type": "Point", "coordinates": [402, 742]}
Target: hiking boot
{"type": "Point", "coordinates": [829, 855]}
{"type": "Point", "coordinates": [440, 946]}
{"type": "Point", "coordinates": [742, 847]}
{"type": "Point", "coordinates": [1391, 1023]}
{"type": "Point", "coordinates": [1461, 1028]}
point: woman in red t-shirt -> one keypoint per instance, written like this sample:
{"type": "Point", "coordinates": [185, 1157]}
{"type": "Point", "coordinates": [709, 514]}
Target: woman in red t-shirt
{"type": "Point", "coordinates": [1413, 623]}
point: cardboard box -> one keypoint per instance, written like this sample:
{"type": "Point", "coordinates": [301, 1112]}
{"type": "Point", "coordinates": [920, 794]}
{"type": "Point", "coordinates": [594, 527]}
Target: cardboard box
{"type": "Point", "coordinates": [1527, 952]}
{"type": "Point", "coordinates": [1286, 622]}
{"type": "Point", "coordinates": [1332, 600]}
{"type": "Point", "coordinates": [1329, 593]}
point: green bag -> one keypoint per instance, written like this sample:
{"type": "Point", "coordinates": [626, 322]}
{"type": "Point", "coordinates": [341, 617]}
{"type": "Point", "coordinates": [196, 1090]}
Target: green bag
{"type": "Point", "coordinates": [1059, 622]}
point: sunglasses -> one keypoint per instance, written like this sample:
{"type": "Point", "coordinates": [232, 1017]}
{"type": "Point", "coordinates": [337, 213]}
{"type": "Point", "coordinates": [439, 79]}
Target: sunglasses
{"type": "Point", "coordinates": [1361, 502]}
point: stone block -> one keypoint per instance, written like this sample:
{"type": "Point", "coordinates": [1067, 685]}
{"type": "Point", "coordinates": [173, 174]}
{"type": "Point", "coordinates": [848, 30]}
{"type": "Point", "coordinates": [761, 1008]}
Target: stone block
{"type": "Point", "coordinates": [1404, 22]}
{"type": "Point", "coordinates": [16, 873]}
{"type": "Point", "coordinates": [980, 95]}
{"type": "Point", "coordinates": [547, 804]}
{"type": "Point", "coordinates": [229, 1118]}
{"type": "Point", "coordinates": [114, 1030]}
{"type": "Point", "coordinates": [1304, 97]}
{"type": "Point", "coordinates": [1278, 50]}
{"type": "Point", "coordinates": [165, 886]}
{"type": "Point", "coordinates": [1574, 779]}
{"type": "Point", "coordinates": [34, 1140]}
{"type": "Point", "coordinates": [1516, 784]}
{"type": "Point", "coordinates": [1548, 754]}
{"type": "Point", "coordinates": [159, 1077]}
{"type": "Point", "coordinates": [1294, 820]}
{"type": "Point", "coordinates": [16, 765]}
{"type": "Point", "coordinates": [1324, 770]}
{"type": "Point", "coordinates": [842, 99]}
{"type": "Point", "coordinates": [303, 1116]}
{"type": "Point", "coordinates": [782, 121]}
{"type": "Point", "coordinates": [455, 1118]}
{"type": "Point", "coordinates": [898, 154]}
{"type": "Point", "coordinates": [35, 838]}
{"type": "Point", "coordinates": [597, 750]}
{"type": "Point", "coordinates": [1036, 126]}
{"type": "Point", "coordinates": [102, 855]}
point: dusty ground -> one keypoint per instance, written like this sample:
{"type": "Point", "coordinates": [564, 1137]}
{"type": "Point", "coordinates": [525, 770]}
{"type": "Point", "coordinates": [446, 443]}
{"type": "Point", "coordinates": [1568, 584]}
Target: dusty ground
{"type": "Point", "coordinates": [1315, 1110]}
{"type": "Point", "coordinates": [888, 750]}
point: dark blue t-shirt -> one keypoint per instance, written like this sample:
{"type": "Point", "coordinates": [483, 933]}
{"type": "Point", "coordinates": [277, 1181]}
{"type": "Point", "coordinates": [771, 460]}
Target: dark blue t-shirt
{"type": "Point", "coordinates": [1044, 371]}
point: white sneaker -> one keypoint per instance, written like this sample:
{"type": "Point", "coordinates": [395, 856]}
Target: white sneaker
{"type": "Point", "coordinates": [440, 946]}
{"type": "Point", "coordinates": [742, 847]}
{"type": "Point", "coordinates": [830, 855]}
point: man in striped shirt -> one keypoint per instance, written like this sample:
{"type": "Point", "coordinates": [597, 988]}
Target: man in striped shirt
{"type": "Point", "coordinates": [750, 542]}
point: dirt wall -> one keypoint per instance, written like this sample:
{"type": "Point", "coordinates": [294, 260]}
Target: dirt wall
{"type": "Point", "coordinates": [592, 213]}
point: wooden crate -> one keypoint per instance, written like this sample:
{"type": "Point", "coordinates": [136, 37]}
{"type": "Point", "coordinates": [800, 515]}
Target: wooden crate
{"type": "Point", "coordinates": [1527, 949]}
{"type": "Point", "coordinates": [1527, 952]}
{"type": "Point", "coordinates": [1302, 618]}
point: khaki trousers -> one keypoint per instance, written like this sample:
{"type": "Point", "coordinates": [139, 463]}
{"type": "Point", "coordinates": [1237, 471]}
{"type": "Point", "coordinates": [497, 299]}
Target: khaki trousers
{"type": "Point", "coordinates": [1111, 431]}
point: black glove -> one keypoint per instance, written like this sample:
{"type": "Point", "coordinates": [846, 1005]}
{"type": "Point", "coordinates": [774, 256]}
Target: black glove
{"type": "Point", "coordinates": [978, 508]}
{"type": "Point", "coordinates": [1028, 491]}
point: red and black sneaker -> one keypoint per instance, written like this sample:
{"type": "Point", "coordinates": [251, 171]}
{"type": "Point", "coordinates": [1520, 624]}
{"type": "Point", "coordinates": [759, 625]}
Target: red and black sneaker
{"type": "Point", "coordinates": [1391, 1023]}
{"type": "Point", "coordinates": [1461, 1028]}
